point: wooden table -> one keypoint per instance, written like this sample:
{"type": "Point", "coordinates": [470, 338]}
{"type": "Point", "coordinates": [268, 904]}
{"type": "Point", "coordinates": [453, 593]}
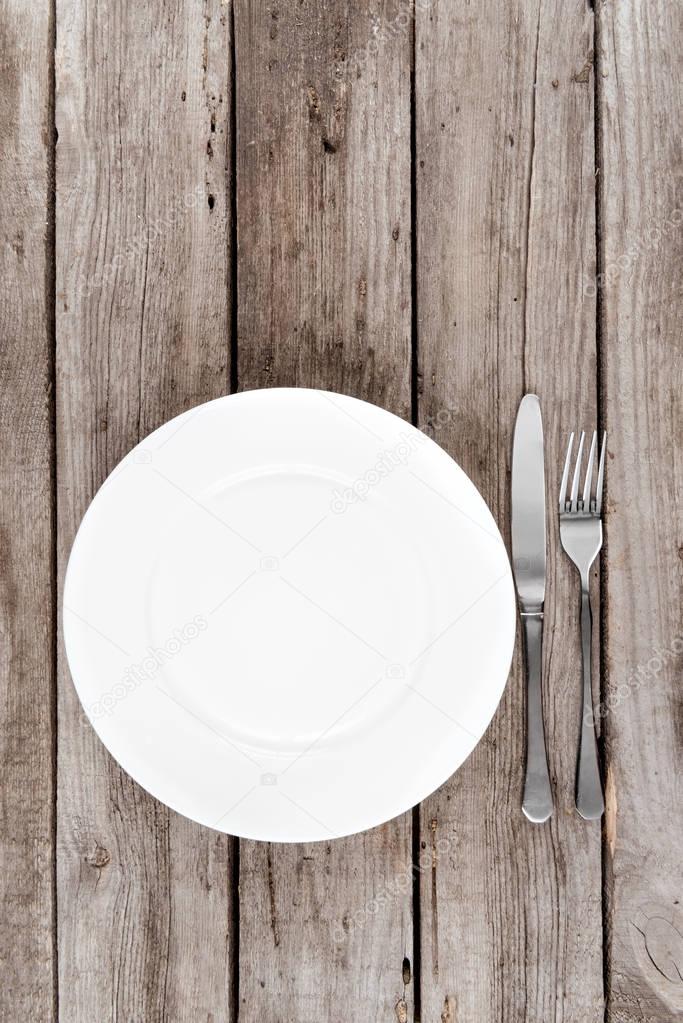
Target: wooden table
{"type": "Point", "coordinates": [435, 207]}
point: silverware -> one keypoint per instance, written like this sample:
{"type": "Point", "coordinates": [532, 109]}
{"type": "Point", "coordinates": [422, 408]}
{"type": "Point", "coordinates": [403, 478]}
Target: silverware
{"type": "Point", "coordinates": [581, 536]}
{"type": "Point", "coordinates": [528, 561]}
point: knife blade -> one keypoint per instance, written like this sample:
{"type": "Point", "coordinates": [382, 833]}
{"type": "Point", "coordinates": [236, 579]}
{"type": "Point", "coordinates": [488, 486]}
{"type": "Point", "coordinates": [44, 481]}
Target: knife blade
{"type": "Point", "coordinates": [528, 565]}
{"type": "Point", "coordinates": [528, 506]}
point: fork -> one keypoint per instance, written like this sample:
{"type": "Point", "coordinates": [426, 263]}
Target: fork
{"type": "Point", "coordinates": [581, 536]}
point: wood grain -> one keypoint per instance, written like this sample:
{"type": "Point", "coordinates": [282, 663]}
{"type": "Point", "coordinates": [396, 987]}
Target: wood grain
{"type": "Point", "coordinates": [510, 911]}
{"type": "Point", "coordinates": [510, 296]}
{"type": "Point", "coordinates": [26, 516]}
{"type": "Point", "coordinates": [143, 221]}
{"type": "Point", "coordinates": [324, 282]}
{"type": "Point", "coordinates": [641, 205]}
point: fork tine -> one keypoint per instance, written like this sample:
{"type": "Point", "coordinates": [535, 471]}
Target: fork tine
{"type": "Point", "coordinates": [577, 474]}
{"type": "Point", "coordinates": [601, 475]}
{"type": "Point", "coordinates": [589, 474]}
{"type": "Point", "coordinates": [565, 473]}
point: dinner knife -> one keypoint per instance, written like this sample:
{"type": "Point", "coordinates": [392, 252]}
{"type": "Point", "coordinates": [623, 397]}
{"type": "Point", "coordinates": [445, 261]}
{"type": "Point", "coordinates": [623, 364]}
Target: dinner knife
{"type": "Point", "coordinates": [528, 563]}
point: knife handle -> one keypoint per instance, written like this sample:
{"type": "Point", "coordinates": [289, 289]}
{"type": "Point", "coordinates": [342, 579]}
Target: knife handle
{"type": "Point", "coordinates": [538, 799]}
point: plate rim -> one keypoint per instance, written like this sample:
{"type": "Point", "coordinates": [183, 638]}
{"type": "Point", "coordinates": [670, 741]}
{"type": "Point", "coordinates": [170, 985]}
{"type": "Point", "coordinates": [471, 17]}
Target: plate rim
{"type": "Point", "coordinates": [398, 807]}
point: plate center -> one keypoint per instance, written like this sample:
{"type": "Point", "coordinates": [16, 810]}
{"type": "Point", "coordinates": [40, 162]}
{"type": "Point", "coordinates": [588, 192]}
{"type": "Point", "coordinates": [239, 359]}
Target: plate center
{"type": "Point", "coordinates": [299, 597]}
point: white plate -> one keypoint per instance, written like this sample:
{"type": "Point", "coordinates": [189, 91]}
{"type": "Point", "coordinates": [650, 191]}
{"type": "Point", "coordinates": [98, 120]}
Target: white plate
{"type": "Point", "coordinates": [289, 615]}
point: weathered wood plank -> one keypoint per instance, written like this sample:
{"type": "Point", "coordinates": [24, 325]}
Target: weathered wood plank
{"type": "Point", "coordinates": [510, 911]}
{"type": "Point", "coordinates": [324, 278]}
{"type": "Point", "coordinates": [641, 205]}
{"type": "Point", "coordinates": [143, 325]}
{"type": "Point", "coordinates": [26, 515]}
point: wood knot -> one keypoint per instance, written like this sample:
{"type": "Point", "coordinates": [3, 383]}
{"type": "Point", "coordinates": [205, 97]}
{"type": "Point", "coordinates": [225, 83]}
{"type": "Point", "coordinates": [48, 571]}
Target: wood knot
{"type": "Point", "coordinates": [659, 949]}
{"type": "Point", "coordinates": [582, 77]}
{"type": "Point", "coordinates": [313, 103]}
{"type": "Point", "coordinates": [98, 858]}
{"type": "Point", "coordinates": [446, 1015]}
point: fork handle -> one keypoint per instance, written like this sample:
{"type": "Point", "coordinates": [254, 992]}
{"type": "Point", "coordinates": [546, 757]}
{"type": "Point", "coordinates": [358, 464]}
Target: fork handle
{"type": "Point", "coordinates": [590, 801]}
{"type": "Point", "coordinates": [537, 802]}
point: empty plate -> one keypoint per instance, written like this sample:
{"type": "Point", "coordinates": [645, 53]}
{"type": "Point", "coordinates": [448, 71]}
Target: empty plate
{"type": "Point", "coordinates": [289, 615]}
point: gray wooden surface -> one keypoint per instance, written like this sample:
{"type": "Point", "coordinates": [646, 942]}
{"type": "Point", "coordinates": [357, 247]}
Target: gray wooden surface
{"type": "Point", "coordinates": [433, 205]}
{"type": "Point", "coordinates": [500, 306]}
{"type": "Point", "coordinates": [142, 331]}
